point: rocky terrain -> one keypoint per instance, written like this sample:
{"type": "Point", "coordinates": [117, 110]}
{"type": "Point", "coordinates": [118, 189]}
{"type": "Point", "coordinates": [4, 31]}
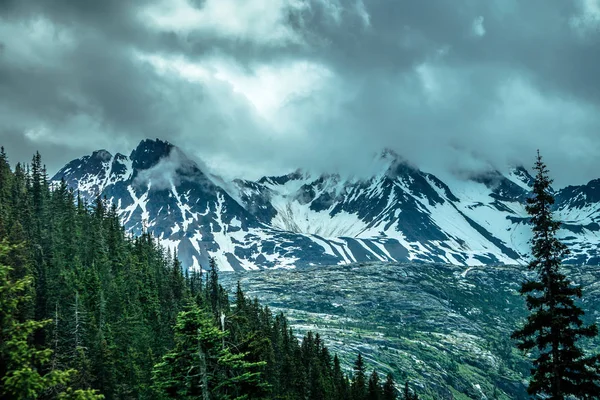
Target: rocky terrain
{"type": "Point", "coordinates": [445, 328]}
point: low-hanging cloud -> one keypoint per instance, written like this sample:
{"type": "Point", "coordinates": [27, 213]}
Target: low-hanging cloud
{"type": "Point", "coordinates": [317, 84]}
{"type": "Point", "coordinates": [172, 170]}
{"type": "Point", "coordinates": [168, 172]}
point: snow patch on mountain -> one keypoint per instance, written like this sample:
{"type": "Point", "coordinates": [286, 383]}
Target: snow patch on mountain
{"type": "Point", "coordinates": [394, 213]}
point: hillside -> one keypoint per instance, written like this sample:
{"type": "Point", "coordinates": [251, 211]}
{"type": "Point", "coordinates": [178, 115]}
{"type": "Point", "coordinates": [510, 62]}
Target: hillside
{"type": "Point", "coordinates": [445, 328]}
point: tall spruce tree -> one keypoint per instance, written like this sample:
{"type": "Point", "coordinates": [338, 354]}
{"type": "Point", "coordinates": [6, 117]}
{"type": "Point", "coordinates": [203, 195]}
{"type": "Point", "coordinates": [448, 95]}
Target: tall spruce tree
{"type": "Point", "coordinates": [199, 367]}
{"type": "Point", "coordinates": [212, 287]}
{"type": "Point", "coordinates": [554, 326]}
{"type": "Point", "coordinates": [375, 390]}
{"type": "Point", "coordinates": [389, 388]}
{"type": "Point", "coordinates": [408, 395]}
{"type": "Point", "coordinates": [359, 380]}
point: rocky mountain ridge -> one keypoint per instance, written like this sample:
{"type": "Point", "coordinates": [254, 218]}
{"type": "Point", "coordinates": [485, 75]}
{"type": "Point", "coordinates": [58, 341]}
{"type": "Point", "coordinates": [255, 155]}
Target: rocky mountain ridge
{"type": "Point", "coordinates": [399, 214]}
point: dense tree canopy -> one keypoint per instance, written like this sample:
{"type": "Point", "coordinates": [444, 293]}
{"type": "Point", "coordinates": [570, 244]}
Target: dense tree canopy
{"type": "Point", "coordinates": [97, 309]}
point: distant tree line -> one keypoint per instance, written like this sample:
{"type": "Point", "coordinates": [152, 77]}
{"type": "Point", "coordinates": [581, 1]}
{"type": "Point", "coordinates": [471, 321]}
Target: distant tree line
{"type": "Point", "coordinates": [88, 312]}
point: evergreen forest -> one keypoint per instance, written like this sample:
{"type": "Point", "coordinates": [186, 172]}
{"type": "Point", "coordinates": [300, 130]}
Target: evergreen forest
{"type": "Point", "coordinates": [88, 311]}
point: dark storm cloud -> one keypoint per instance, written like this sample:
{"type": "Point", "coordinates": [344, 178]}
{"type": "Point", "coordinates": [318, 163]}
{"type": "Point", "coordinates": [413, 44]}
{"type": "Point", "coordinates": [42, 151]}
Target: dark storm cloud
{"type": "Point", "coordinates": [451, 86]}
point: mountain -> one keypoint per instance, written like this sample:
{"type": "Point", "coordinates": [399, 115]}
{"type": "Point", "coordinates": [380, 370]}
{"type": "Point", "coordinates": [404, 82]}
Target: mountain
{"type": "Point", "coordinates": [399, 214]}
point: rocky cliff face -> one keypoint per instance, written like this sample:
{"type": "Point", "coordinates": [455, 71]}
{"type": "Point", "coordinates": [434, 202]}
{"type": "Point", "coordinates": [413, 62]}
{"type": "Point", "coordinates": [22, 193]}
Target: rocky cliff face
{"type": "Point", "coordinates": [399, 214]}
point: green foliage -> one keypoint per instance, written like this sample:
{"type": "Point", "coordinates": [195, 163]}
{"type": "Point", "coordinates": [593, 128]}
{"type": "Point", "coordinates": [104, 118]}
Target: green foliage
{"type": "Point", "coordinates": [21, 377]}
{"type": "Point", "coordinates": [22, 374]}
{"type": "Point", "coordinates": [359, 380]}
{"type": "Point", "coordinates": [560, 369]}
{"type": "Point", "coordinates": [389, 389]}
{"type": "Point", "coordinates": [71, 394]}
{"type": "Point", "coordinates": [84, 305]}
{"type": "Point", "coordinates": [408, 394]}
{"type": "Point", "coordinates": [200, 366]}
{"type": "Point", "coordinates": [112, 299]}
{"type": "Point", "coordinates": [375, 391]}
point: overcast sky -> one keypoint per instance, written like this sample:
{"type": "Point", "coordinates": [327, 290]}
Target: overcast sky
{"type": "Point", "coordinates": [265, 86]}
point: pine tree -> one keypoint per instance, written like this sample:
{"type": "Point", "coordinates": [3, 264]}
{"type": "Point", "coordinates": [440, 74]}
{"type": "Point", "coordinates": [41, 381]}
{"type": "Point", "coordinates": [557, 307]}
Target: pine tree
{"type": "Point", "coordinates": [240, 299]}
{"type": "Point", "coordinates": [21, 374]}
{"type": "Point", "coordinates": [199, 367]}
{"type": "Point", "coordinates": [195, 285]}
{"type": "Point", "coordinates": [339, 380]}
{"type": "Point", "coordinates": [359, 381]}
{"type": "Point", "coordinates": [407, 393]}
{"type": "Point", "coordinates": [212, 286]}
{"type": "Point", "coordinates": [389, 388]}
{"type": "Point", "coordinates": [375, 392]}
{"type": "Point", "coordinates": [178, 282]}
{"type": "Point", "coordinates": [5, 185]}
{"type": "Point", "coordinates": [560, 369]}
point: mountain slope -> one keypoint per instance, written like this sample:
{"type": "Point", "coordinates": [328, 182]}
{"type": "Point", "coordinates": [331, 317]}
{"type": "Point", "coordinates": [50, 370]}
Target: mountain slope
{"type": "Point", "coordinates": [446, 329]}
{"type": "Point", "coordinates": [398, 214]}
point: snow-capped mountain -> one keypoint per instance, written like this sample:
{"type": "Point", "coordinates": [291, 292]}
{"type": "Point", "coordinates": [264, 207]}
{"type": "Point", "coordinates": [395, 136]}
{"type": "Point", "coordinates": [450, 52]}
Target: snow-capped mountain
{"type": "Point", "coordinates": [398, 214]}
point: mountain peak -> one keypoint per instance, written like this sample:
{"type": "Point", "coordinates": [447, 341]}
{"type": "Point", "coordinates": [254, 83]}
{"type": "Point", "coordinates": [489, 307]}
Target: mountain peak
{"type": "Point", "coordinates": [396, 165]}
{"type": "Point", "coordinates": [101, 155]}
{"type": "Point", "coordinates": [149, 152]}
{"type": "Point", "coordinates": [156, 145]}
